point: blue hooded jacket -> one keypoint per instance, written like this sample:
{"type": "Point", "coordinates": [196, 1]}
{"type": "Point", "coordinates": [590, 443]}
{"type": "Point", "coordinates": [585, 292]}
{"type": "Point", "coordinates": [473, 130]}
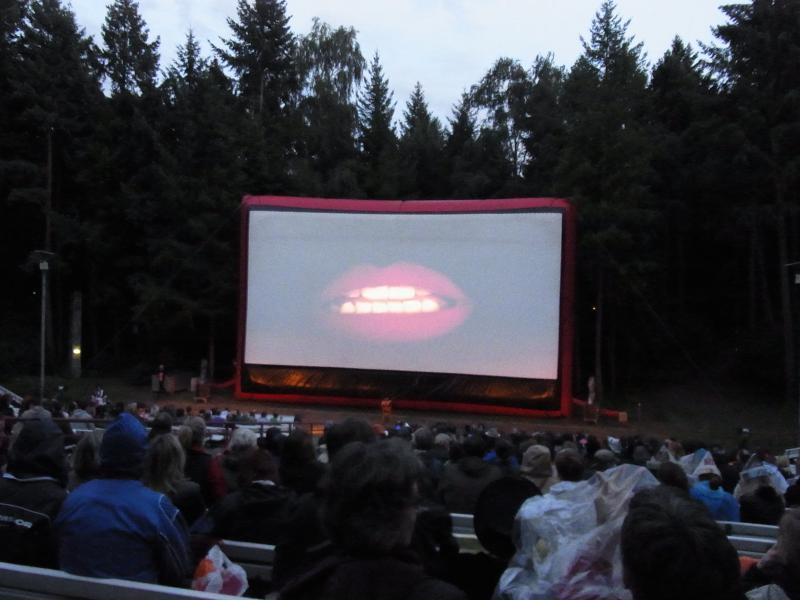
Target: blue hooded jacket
{"type": "Point", "coordinates": [114, 527]}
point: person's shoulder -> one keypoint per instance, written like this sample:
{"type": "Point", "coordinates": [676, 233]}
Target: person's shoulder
{"type": "Point", "coordinates": [436, 589]}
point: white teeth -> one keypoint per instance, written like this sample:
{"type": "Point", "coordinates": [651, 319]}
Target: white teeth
{"type": "Point", "coordinates": [408, 307]}
{"type": "Point", "coordinates": [429, 305]}
{"type": "Point", "coordinates": [388, 292]}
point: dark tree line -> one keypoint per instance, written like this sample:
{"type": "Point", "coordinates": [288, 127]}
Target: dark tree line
{"type": "Point", "coordinates": [685, 174]}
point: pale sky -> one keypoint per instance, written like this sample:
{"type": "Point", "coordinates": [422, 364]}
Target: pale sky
{"type": "Point", "coordinates": [446, 45]}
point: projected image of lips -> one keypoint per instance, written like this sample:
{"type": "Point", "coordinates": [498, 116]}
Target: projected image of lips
{"type": "Point", "coordinates": [399, 303]}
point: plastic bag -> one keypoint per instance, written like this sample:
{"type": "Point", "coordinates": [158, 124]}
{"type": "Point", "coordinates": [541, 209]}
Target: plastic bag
{"type": "Point", "coordinates": [700, 462]}
{"type": "Point", "coordinates": [216, 573]}
{"type": "Point", "coordinates": [757, 472]}
{"type": "Point", "coordinates": [568, 540]}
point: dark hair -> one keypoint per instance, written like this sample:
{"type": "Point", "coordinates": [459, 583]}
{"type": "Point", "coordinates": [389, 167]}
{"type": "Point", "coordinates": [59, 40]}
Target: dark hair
{"type": "Point", "coordinates": [161, 424]}
{"type": "Point", "coordinates": [672, 548]}
{"type": "Point", "coordinates": [764, 505]}
{"type": "Point", "coordinates": [339, 435]}
{"type": "Point", "coordinates": [672, 474]}
{"type": "Point", "coordinates": [423, 439]}
{"type": "Point", "coordinates": [298, 449]}
{"type": "Point", "coordinates": [474, 446]}
{"type": "Point", "coordinates": [256, 464]}
{"type": "Point", "coordinates": [569, 465]}
{"type": "Point", "coordinates": [370, 497]}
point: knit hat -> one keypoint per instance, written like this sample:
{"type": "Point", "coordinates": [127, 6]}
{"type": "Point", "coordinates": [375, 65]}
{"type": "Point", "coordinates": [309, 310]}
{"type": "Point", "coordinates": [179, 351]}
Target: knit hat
{"type": "Point", "coordinates": [604, 459]}
{"type": "Point", "coordinates": [536, 462]}
{"type": "Point", "coordinates": [124, 444]}
{"type": "Point", "coordinates": [38, 451]}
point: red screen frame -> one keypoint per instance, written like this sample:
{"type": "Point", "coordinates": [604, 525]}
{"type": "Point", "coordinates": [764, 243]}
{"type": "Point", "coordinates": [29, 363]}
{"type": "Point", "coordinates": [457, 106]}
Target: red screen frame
{"type": "Point", "coordinates": [567, 298]}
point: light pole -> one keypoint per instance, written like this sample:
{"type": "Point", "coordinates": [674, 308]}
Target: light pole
{"type": "Point", "coordinates": [43, 258]}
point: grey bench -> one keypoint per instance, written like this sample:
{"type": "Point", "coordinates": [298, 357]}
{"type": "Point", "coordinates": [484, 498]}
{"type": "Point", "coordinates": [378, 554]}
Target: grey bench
{"type": "Point", "coordinates": [18, 582]}
{"type": "Point", "coordinates": [255, 559]}
{"type": "Point", "coordinates": [750, 539]}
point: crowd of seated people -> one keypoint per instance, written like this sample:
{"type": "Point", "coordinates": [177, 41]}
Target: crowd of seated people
{"type": "Point", "coordinates": [365, 511]}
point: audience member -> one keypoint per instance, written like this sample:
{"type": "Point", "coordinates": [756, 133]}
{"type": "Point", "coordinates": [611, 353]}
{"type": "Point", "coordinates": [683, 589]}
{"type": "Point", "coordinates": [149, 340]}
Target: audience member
{"type": "Point", "coordinates": [720, 504]}
{"type": "Point", "coordinates": [463, 480]}
{"type": "Point", "coordinates": [672, 474]}
{"type": "Point", "coordinates": [781, 565]}
{"type": "Point", "coordinates": [241, 442]}
{"type": "Point", "coordinates": [31, 493]}
{"type": "Point", "coordinates": [114, 526]}
{"type": "Point", "coordinates": [259, 510]}
{"type": "Point", "coordinates": [86, 459]}
{"type": "Point", "coordinates": [164, 465]}
{"type": "Point", "coordinates": [537, 467]}
{"type": "Point", "coordinates": [200, 467]}
{"type": "Point", "coordinates": [309, 543]}
{"type": "Point", "coordinates": [369, 511]}
{"type": "Point", "coordinates": [763, 505]}
{"type": "Point", "coordinates": [160, 425]}
{"type": "Point", "coordinates": [299, 470]}
{"type": "Point", "coordinates": [569, 465]}
{"type": "Point", "coordinates": [672, 549]}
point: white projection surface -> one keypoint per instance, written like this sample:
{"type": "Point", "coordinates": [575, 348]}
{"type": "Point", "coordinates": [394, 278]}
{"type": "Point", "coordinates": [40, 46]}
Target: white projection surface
{"type": "Point", "coordinates": [474, 294]}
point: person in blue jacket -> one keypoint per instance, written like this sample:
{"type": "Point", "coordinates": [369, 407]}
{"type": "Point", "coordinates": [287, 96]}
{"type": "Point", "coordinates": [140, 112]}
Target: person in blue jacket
{"type": "Point", "coordinates": [708, 490]}
{"type": "Point", "coordinates": [114, 526]}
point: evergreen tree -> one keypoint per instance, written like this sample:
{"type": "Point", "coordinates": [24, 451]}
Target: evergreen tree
{"type": "Point", "coordinates": [758, 66]}
{"type": "Point", "coordinates": [682, 107]}
{"type": "Point", "coordinates": [261, 53]}
{"type": "Point", "coordinates": [465, 179]}
{"type": "Point", "coordinates": [130, 60]}
{"type": "Point", "coordinates": [420, 150]}
{"type": "Point", "coordinates": [605, 168]}
{"type": "Point", "coordinates": [135, 171]}
{"type": "Point", "coordinates": [377, 140]}
{"type": "Point", "coordinates": [52, 97]}
{"type": "Point", "coordinates": [544, 125]}
{"type": "Point", "coordinates": [190, 288]}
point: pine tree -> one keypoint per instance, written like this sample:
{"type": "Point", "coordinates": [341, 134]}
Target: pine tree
{"type": "Point", "coordinates": [261, 53]}
{"type": "Point", "coordinates": [377, 140]}
{"type": "Point", "coordinates": [421, 150]}
{"type": "Point", "coordinates": [544, 125]}
{"type": "Point", "coordinates": [758, 67]}
{"type": "Point", "coordinates": [463, 164]}
{"type": "Point", "coordinates": [605, 168]}
{"type": "Point", "coordinates": [52, 96]}
{"type": "Point", "coordinates": [130, 60]}
{"type": "Point", "coordinates": [681, 106]}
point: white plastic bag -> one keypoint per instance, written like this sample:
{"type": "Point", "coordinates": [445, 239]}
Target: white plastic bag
{"type": "Point", "coordinates": [216, 573]}
{"type": "Point", "coordinates": [568, 540]}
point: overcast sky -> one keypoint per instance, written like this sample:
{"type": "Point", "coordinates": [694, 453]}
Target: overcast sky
{"type": "Point", "coordinates": [447, 45]}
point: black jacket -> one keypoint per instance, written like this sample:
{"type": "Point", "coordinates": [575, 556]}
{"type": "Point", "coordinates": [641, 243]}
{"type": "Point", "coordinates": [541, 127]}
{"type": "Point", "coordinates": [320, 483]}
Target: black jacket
{"type": "Point", "coordinates": [394, 577]}
{"type": "Point", "coordinates": [31, 493]}
{"type": "Point", "coordinates": [258, 513]}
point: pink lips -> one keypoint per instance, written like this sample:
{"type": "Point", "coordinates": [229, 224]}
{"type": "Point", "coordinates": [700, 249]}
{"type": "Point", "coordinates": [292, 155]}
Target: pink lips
{"type": "Point", "coordinates": [399, 303]}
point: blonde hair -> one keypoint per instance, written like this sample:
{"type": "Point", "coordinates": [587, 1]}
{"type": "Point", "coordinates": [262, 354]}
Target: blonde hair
{"type": "Point", "coordinates": [163, 464]}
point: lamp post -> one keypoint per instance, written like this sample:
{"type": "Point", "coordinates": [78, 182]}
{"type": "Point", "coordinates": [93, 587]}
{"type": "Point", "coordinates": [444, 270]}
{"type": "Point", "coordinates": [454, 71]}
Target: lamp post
{"type": "Point", "coordinates": [43, 258]}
